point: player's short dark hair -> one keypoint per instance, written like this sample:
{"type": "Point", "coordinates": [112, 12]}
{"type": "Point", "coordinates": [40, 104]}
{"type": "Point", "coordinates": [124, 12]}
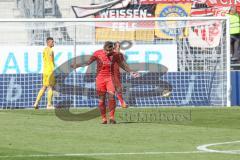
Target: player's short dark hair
{"type": "Point", "coordinates": [108, 45]}
{"type": "Point", "coordinates": [49, 38]}
{"type": "Point", "coordinates": [117, 42]}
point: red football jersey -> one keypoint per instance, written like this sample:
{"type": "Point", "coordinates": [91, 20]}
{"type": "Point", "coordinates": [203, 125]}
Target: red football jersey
{"type": "Point", "coordinates": [104, 63]}
{"type": "Point", "coordinates": [117, 57]}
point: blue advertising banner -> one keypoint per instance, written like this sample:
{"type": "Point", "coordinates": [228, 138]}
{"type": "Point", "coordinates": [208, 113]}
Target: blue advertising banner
{"type": "Point", "coordinates": [235, 82]}
{"type": "Point", "coordinates": [20, 90]}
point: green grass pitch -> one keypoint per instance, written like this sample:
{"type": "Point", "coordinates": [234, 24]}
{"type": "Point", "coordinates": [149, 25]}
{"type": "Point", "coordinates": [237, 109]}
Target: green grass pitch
{"type": "Point", "coordinates": [173, 134]}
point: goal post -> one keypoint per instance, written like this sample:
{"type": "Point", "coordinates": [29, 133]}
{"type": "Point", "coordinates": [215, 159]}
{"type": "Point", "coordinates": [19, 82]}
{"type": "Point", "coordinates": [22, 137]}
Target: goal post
{"type": "Point", "coordinates": [187, 56]}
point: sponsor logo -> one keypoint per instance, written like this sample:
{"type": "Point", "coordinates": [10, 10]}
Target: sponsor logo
{"type": "Point", "coordinates": [169, 28]}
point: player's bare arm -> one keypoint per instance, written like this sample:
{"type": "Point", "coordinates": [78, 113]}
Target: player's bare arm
{"type": "Point", "coordinates": [122, 63]}
{"type": "Point", "coordinates": [77, 65]}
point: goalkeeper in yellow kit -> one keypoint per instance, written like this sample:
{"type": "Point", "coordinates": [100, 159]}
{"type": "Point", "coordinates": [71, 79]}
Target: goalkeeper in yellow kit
{"type": "Point", "coordinates": [48, 74]}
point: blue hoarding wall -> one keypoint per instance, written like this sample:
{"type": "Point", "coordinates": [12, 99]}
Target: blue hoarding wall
{"type": "Point", "coordinates": [200, 89]}
{"type": "Point", "coordinates": [235, 88]}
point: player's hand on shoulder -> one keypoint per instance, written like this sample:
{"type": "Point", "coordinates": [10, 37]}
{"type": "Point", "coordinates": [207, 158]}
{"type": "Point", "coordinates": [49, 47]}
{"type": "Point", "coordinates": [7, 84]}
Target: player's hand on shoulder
{"type": "Point", "coordinates": [135, 74]}
{"type": "Point", "coordinates": [73, 65]}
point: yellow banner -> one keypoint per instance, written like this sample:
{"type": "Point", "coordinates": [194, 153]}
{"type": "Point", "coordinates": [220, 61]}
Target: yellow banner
{"type": "Point", "coordinates": [145, 35]}
{"type": "Point", "coordinates": [108, 34]}
{"type": "Point", "coordinates": [171, 29]}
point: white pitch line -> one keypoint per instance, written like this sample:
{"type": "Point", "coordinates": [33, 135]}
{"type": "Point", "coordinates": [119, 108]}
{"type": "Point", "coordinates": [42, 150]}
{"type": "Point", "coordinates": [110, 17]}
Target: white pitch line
{"type": "Point", "coordinates": [98, 154]}
{"type": "Point", "coordinates": [205, 148]}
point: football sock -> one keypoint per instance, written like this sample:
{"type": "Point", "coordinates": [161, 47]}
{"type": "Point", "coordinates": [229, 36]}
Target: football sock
{"type": "Point", "coordinates": [112, 106]}
{"type": "Point", "coordinates": [39, 96]}
{"type": "Point", "coordinates": [49, 96]}
{"type": "Point", "coordinates": [120, 98]}
{"type": "Point", "coordinates": [102, 108]}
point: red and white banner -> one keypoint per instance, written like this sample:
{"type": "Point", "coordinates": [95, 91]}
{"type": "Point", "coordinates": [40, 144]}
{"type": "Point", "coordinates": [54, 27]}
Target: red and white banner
{"type": "Point", "coordinates": [221, 7]}
{"type": "Point", "coordinates": [222, 2]}
{"type": "Point", "coordinates": [163, 1]}
{"type": "Point", "coordinates": [89, 10]}
{"type": "Point", "coordinates": [201, 11]}
{"type": "Point", "coordinates": [220, 10]}
{"type": "Point", "coordinates": [202, 8]}
{"type": "Point", "coordinates": [205, 36]}
{"type": "Point", "coordinates": [132, 11]}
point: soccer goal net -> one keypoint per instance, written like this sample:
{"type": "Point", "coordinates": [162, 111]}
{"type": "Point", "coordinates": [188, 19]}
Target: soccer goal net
{"type": "Point", "coordinates": [182, 61]}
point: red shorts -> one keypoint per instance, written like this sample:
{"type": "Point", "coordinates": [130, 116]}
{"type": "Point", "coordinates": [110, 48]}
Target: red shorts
{"type": "Point", "coordinates": [104, 84]}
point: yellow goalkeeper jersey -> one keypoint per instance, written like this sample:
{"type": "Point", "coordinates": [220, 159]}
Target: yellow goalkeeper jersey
{"type": "Point", "coordinates": [48, 67]}
{"type": "Point", "coordinates": [48, 60]}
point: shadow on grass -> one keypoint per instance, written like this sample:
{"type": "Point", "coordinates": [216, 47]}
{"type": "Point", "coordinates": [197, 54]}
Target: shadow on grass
{"type": "Point", "coordinates": [21, 154]}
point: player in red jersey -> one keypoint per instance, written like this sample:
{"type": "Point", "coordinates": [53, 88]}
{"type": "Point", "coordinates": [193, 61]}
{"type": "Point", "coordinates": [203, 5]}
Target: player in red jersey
{"type": "Point", "coordinates": [106, 58]}
{"type": "Point", "coordinates": [117, 77]}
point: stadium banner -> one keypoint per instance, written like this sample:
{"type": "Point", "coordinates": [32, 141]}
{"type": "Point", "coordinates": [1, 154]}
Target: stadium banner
{"type": "Point", "coordinates": [223, 2]}
{"type": "Point", "coordinates": [214, 7]}
{"type": "Point", "coordinates": [205, 36]}
{"type": "Point", "coordinates": [220, 10]}
{"type": "Point", "coordinates": [126, 30]}
{"type": "Point", "coordinates": [27, 60]}
{"type": "Point", "coordinates": [201, 9]}
{"type": "Point", "coordinates": [131, 11]}
{"type": "Point", "coordinates": [20, 90]}
{"type": "Point", "coordinates": [88, 10]}
{"type": "Point", "coordinates": [104, 34]}
{"type": "Point", "coordinates": [168, 30]}
{"type": "Point", "coordinates": [163, 1]}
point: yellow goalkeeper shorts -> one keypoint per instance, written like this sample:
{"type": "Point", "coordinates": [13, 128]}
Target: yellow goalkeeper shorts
{"type": "Point", "coordinates": [49, 79]}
